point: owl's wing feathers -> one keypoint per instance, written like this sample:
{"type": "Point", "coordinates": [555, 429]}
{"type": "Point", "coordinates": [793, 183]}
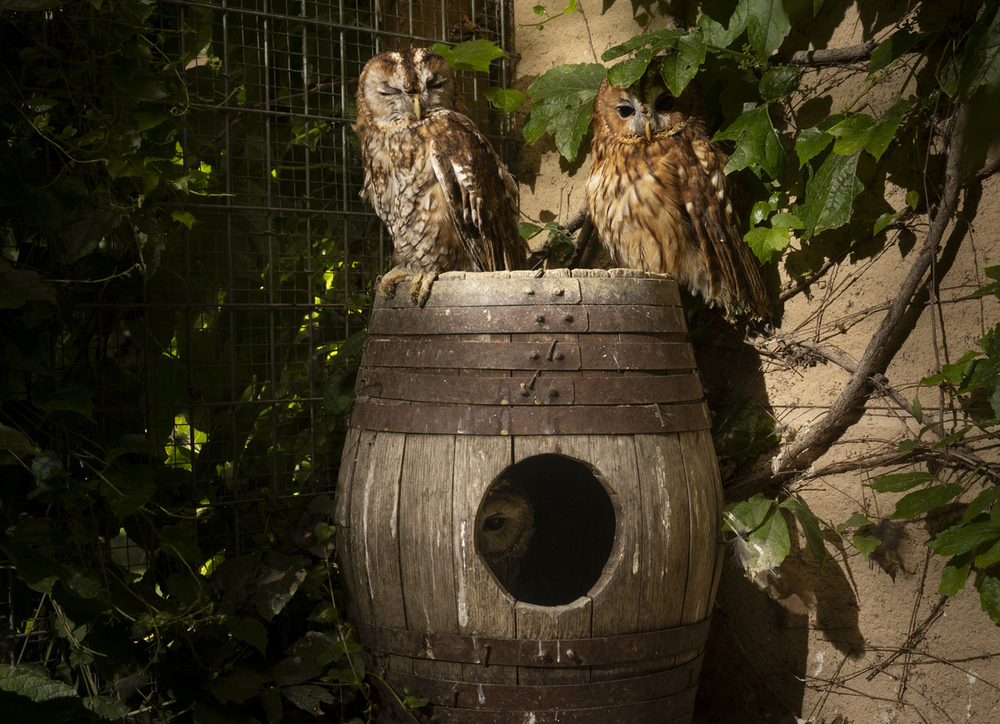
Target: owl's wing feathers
{"type": "Point", "coordinates": [482, 195]}
{"type": "Point", "coordinates": [733, 270]}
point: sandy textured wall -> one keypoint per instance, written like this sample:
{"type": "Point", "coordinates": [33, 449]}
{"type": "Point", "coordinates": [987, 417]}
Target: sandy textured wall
{"type": "Point", "coordinates": [872, 648]}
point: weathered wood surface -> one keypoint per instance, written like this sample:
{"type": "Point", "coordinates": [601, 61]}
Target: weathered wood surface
{"type": "Point", "coordinates": [445, 413]}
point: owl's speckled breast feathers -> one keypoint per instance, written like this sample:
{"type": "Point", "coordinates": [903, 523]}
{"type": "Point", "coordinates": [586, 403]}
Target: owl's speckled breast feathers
{"type": "Point", "coordinates": [659, 196]}
{"type": "Point", "coordinates": [434, 180]}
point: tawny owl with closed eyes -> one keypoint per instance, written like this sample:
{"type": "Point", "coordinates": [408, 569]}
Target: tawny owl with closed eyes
{"type": "Point", "coordinates": [435, 181]}
{"type": "Point", "coordinates": [660, 199]}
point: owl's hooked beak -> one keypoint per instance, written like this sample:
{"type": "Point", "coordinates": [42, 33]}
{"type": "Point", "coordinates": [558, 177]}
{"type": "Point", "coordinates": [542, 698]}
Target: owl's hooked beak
{"type": "Point", "coordinates": [649, 130]}
{"type": "Point", "coordinates": [416, 107]}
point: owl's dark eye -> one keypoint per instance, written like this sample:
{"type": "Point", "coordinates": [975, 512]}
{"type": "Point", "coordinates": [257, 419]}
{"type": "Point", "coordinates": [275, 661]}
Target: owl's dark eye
{"type": "Point", "coordinates": [625, 110]}
{"type": "Point", "coordinates": [388, 90]}
{"type": "Point", "coordinates": [665, 103]}
{"type": "Point", "coordinates": [435, 83]}
{"type": "Point", "coordinates": [494, 522]}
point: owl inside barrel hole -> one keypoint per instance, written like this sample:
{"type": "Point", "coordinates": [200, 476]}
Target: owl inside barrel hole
{"type": "Point", "coordinates": [545, 528]}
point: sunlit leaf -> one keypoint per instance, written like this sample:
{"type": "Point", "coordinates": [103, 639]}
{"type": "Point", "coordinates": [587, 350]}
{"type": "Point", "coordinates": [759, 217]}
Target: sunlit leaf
{"type": "Point", "coordinates": [506, 100]}
{"type": "Point", "coordinates": [963, 537]}
{"type": "Point", "coordinates": [473, 55]}
{"type": "Point", "coordinates": [678, 68]}
{"type": "Point", "coordinates": [809, 143]}
{"type": "Point", "coordinates": [757, 142]}
{"type": "Point", "coordinates": [900, 482]}
{"type": "Point", "coordinates": [830, 194]}
{"type": "Point", "coordinates": [767, 25]}
{"type": "Point", "coordinates": [767, 243]}
{"type": "Point", "coordinates": [922, 501]}
{"type": "Point", "coordinates": [627, 72]}
{"type": "Point", "coordinates": [718, 30]}
{"type": "Point", "coordinates": [865, 544]}
{"type": "Point", "coordinates": [563, 104]}
{"type": "Point", "coordinates": [857, 520]}
{"type": "Point", "coordinates": [860, 130]}
{"type": "Point", "coordinates": [954, 575]}
{"type": "Point", "coordinates": [810, 527]}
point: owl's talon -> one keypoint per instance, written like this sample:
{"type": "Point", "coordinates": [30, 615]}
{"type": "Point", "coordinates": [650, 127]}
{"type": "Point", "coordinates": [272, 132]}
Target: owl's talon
{"type": "Point", "coordinates": [391, 280]}
{"type": "Point", "coordinates": [420, 287]}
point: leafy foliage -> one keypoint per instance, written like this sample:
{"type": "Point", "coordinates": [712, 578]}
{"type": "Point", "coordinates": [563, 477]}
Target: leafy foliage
{"type": "Point", "coordinates": [143, 419]}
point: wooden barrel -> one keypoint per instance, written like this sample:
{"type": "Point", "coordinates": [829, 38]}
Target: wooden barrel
{"type": "Point", "coordinates": [572, 399]}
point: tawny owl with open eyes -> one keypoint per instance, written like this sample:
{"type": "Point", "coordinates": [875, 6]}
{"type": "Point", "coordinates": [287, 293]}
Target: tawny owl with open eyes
{"type": "Point", "coordinates": [659, 198]}
{"type": "Point", "coordinates": [435, 181]}
{"type": "Point", "coordinates": [505, 525]}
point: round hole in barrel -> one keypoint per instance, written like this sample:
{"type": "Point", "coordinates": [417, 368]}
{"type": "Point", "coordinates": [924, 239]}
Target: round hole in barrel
{"type": "Point", "coordinates": [545, 528]}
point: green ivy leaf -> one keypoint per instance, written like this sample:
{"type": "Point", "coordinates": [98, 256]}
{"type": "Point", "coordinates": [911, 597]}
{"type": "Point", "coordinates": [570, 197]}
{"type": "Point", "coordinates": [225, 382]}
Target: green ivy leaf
{"type": "Point", "coordinates": [473, 55]}
{"type": "Point", "coordinates": [308, 697]}
{"type": "Point", "coordinates": [986, 372]}
{"type": "Point", "coordinates": [778, 82]}
{"type": "Point", "coordinates": [883, 221]}
{"type": "Point", "coordinates": [984, 500]}
{"type": "Point", "coordinates": [747, 515]}
{"type": "Point", "coordinates": [413, 699]}
{"type": "Point", "coordinates": [718, 30]}
{"type": "Point", "coordinates": [74, 398]}
{"type": "Point", "coordinates": [857, 520]}
{"type": "Point", "coordinates": [900, 482]}
{"type": "Point", "coordinates": [954, 575]}
{"type": "Point", "coordinates": [563, 105]}
{"type": "Point", "coordinates": [628, 71]}
{"type": "Point", "coordinates": [981, 62]}
{"type": "Point", "coordinates": [810, 527]}
{"type": "Point", "coordinates": [250, 631]}
{"type": "Point", "coordinates": [528, 230]}
{"type": "Point", "coordinates": [989, 595]}
{"type": "Point", "coordinates": [654, 42]}
{"type": "Point", "coordinates": [921, 501]}
{"type": "Point", "coordinates": [989, 557]}
{"type": "Point", "coordinates": [769, 544]}
{"type": "Point", "coordinates": [15, 441]}
{"type": "Point", "coordinates": [757, 142]}
{"type": "Point", "coordinates": [237, 687]}
{"type": "Point", "coordinates": [963, 537]}
{"type": "Point", "coordinates": [767, 26]}
{"type": "Point", "coordinates": [767, 243]}
{"type": "Point", "coordinates": [861, 131]}
{"type": "Point", "coordinates": [18, 287]}
{"type": "Point", "coordinates": [30, 681]}
{"type": "Point", "coordinates": [506, 100]}
{"type": "Point", "coordinates": [865, 544]}
{"type": "Point", "coordinates": [830, 194]}
{"type": "Point", "coordinates": [891, 49]}
{"type": "Point", "coordinates": [680, 67]}
{"type": "Point", "coordinates": [810, 143]}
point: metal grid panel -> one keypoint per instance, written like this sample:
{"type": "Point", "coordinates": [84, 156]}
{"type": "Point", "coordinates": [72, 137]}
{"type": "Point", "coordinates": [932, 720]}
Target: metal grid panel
{"type": "Point", "coordinates": [228, 351]}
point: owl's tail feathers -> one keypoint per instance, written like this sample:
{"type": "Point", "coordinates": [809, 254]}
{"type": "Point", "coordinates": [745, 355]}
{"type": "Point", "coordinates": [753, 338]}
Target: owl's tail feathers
{"type": "Point", "coordinates": [747, 285]}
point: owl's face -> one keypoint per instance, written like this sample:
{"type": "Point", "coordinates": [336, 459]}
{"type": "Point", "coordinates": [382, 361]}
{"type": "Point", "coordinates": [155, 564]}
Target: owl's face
{"type": "Point", "coordinates": [405, 85]}
{"type": "Point", "coordinates": [646, 109]}
{"type": "Point", "coordinates": [505, 522]}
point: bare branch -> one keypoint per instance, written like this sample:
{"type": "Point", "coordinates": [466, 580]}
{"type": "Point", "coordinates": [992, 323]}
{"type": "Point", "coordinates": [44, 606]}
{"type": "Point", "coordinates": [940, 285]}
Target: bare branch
{"type": "Point", "coordinates": [833, 56]}
{"type": "Point", "coordinates": [866, 367]}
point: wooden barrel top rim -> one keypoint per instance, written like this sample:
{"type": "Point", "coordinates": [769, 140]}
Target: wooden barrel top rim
{"type": "Point", "coordinates": [534, 652]}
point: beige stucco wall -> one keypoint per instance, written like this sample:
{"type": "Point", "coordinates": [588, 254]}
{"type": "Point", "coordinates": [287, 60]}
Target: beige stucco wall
{"type": "Point", "coordinates": [765, 663]}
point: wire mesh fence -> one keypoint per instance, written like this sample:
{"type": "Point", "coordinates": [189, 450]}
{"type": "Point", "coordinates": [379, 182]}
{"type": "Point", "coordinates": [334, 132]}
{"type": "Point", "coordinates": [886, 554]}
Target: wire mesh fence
{"type": "Point", "coordinates": [225, 366]}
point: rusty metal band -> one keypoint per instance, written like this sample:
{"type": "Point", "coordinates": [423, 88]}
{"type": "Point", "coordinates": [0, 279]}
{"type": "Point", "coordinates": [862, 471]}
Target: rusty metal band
{"type": "Point", "coordinates": [545, 389]}
{"type": "Point", "coordinates": [483, 290]}
{"type": "Point", "coordinates": [433, 419]}
{"type": "Point", "coordinates": [668, 687]}
{"type": "Point", "coordinates": [431, 353]}
{"type": "Point", "coordinates": [542, 653]}
{"type": "Point", "coordinates": [527, 320]}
